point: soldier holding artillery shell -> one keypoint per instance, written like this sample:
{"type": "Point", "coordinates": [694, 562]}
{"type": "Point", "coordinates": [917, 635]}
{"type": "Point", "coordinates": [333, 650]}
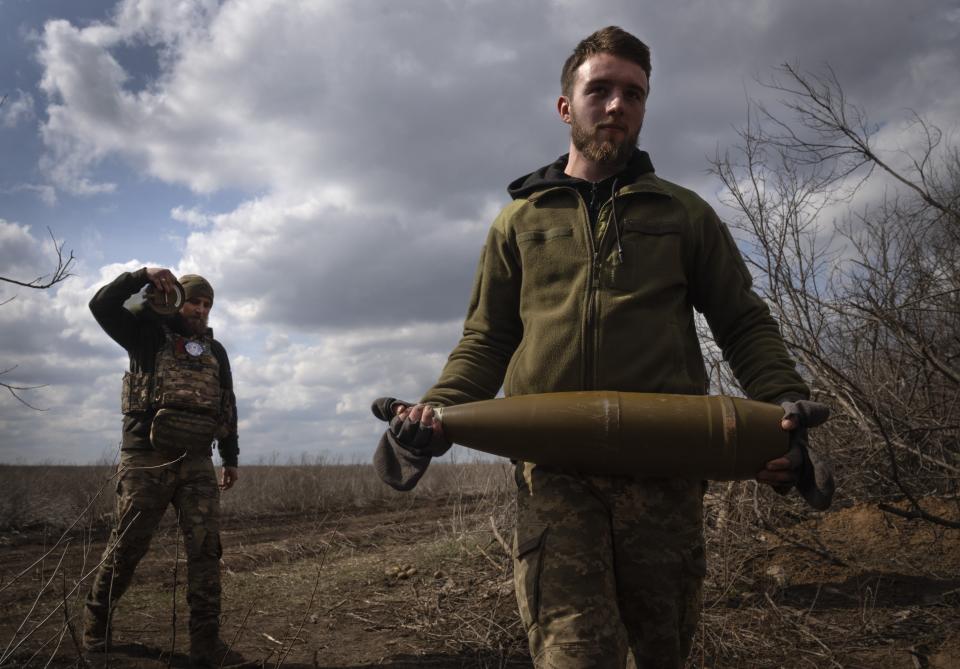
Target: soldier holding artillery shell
{"type": "Point", "coordinates": [177, 399]}
{"type": "Point", "coordinates": [588, 281]}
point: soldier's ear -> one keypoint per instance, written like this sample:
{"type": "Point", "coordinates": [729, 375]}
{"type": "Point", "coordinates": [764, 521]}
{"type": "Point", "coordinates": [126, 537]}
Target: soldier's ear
{"type": "Point", "coordinates": [563, 108]}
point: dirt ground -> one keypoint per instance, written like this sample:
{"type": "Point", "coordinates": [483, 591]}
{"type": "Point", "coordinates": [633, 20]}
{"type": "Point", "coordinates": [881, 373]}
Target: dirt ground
{"type": "Point", "coordinates": [429, 585]}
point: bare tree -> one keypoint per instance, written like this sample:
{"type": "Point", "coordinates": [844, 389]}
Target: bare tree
{"type": "Point", "coordinates": [59, 274]}
{"type": "Point", "coordinates": [870, 306]}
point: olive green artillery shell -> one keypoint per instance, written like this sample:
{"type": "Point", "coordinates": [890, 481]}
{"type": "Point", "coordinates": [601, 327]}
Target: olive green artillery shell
{"type": "Point", "coordinates": [640, 434]}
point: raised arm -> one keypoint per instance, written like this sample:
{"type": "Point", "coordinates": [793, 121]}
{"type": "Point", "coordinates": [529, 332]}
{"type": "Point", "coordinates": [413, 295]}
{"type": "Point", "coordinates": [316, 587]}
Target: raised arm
{"type": "Point", "coordinates": [107, 305]}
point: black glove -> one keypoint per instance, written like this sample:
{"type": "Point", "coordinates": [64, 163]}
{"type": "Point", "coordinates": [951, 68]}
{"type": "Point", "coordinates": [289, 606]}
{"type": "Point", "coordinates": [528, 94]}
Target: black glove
{"type": "Point", "coordinates": [411, 435]}
{"type": "Point", "coordinates": [814, 477]}
{"type": "Point", "coordinates": [382, 407]}
{"type": "Point", "coordinates": [405, 448]}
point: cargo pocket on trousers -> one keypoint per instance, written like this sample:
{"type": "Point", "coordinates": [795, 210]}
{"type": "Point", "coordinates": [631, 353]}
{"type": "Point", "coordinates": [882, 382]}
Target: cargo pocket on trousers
{"type": "Point", "coordinates": [527, 567]}
{"type": "Point", "coordinates": [212, 547]}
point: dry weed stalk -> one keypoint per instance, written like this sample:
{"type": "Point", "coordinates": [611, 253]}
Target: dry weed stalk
{"type": "Point", "coordinates": [109, 554]}
{"type": "Point", "coordinates": [84, 574]}
{"type": "Point", "coordinates": [313, 595]}
{"type": "Point", "coordinates": [63, 535]}
{"type": "Point", "coordinates": [173, 594]}
{"type": "Point", "coordinates": [236, 635]}
{"type": "Point", "coordinates": [783, 536]}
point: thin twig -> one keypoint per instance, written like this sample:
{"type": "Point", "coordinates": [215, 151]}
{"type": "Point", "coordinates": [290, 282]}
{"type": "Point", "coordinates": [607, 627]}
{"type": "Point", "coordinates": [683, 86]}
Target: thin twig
{"type": "Point", "coordinates": [120, 470]}
{"type": "Point", "coordinates": [316, 586]}
{"type": "Point", "coordinates": [13, 390]}
{"type": "Point", "coordinates": [36, 601]}
{"type": "Point", "coordinates": [60, 273]}
{"type": "Point", "coordinates": [81, 662]}
{"type": "Point", "coordinates": [110, 551]}
{"type": "Point", "coordinates": [236, 636]}
{"type": "Point", "coordinates": [918, 513]}
{"type": "Point", "coordinates": [498, 567]}
{"type": "Point", "coordinates": [173, 596]}
{"type": "Point", "coordinates": [827, 555]}
{"type": "Point", "coordinates": [499, 537]}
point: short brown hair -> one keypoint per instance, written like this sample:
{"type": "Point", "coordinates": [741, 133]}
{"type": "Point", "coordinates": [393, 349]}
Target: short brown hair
{"type": "Point", "coordinates": [613, 40]}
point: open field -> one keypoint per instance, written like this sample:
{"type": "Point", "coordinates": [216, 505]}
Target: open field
{"type": "Point", "coordinates": [311, 556]}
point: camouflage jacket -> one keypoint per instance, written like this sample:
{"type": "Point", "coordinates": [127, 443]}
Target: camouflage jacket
{"type": "Point", "coordinates": [141, 333]}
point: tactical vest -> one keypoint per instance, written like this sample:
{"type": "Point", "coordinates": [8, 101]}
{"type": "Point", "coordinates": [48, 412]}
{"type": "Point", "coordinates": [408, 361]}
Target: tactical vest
{"type": "Point", "coordinates": [185, 392]}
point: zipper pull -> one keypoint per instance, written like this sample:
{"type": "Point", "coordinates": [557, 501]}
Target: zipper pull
{"type": "Point", "coordinates": [616, 222]}
{"type": "Point", "coordinates": [596, 270]}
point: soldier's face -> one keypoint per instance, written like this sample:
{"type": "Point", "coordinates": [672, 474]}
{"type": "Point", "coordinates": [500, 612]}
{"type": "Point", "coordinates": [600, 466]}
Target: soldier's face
{"type": "Point", "coordinates": [606, 109]}
{"type": "Point", "coordinates": [195, 312]}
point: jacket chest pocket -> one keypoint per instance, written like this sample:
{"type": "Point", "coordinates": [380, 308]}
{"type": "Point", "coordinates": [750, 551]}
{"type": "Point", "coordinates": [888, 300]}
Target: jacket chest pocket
{"type": "Point", "coordinates": [548, 258]}
{"type": "Point", "coordinates": [652, 257]}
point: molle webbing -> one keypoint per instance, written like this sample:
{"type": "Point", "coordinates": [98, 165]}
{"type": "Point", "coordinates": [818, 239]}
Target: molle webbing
{"type": "Point", "coordinates": [137, 394]}
{"type": "Point", "coordinates": [185, 381]}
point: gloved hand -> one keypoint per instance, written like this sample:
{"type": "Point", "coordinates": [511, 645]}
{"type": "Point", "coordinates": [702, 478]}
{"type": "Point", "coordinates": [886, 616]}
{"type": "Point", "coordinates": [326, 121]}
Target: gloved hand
{"type": "Point", "coordinates": [406, 447]}
{"type": "Point", "coordinates": [412, 435]}
{"type": "Point", "coordinates": [814, 476]}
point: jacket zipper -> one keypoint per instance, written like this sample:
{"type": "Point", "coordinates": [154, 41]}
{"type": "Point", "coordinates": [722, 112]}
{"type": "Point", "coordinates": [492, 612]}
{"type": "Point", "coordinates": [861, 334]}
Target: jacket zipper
{"type": "Point", "coordinates": [593, 283]}
{"type": "Point", "coordinates": [592, 307]}
{"type": "Point", "coordinates": [592, 324]}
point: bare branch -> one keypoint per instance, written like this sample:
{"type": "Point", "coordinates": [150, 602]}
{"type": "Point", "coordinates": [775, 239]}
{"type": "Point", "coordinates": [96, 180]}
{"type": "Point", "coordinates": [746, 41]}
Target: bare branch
{"type": "Point", "coordinates": [15, 389]}
{"type": "Point", "coordinates": [841, 131]}
{"type": "Point", "coordinates": [869, 305]}
{"type": "Point", "coordinates": [919, 513]}
{"type": "Point", "coordinates": [60, 273]}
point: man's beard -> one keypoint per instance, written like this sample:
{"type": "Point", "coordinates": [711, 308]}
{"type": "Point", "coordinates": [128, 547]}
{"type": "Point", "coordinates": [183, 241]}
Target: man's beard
{"type": "Point", "coordinates": [602, 151]}
{"type": "Point", "coordinates": [195, 326]}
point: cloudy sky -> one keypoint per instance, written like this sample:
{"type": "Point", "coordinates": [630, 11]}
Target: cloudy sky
{"type": "Point", "coordinates": [332, 167]}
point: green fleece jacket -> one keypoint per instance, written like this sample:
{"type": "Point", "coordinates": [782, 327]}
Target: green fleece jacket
{"type": "Point", "coordinates": [140, 332]}
{"type": "Point", "coordinates": [555, 308]}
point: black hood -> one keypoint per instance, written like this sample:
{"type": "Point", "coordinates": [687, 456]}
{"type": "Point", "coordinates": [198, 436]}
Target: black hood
{"type": "Point", "coordinates": [552, 175]}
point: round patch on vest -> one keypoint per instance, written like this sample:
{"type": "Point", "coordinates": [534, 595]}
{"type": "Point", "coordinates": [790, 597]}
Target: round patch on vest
{"type": "Point", "coordinates": [194, 348]}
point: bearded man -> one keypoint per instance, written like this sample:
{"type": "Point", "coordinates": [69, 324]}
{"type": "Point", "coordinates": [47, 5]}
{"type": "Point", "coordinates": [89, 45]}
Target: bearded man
{"type": "Point", "coordinates": [177, 399]}
{"type": "Point", "coordinates": [588, 281]}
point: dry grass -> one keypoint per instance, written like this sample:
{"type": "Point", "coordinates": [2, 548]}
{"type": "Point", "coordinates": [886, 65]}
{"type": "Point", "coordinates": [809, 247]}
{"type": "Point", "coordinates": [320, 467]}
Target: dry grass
{"type": "Point", "coordinates": [312, 554]}
{"type": "Point", "coordinates": [53, 496]}
{"type": "Point", "coordinates": [320, 487]}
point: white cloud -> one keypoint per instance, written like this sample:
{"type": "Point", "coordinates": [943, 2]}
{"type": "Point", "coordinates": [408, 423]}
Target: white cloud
{"type": "Point", "coordinates": [320, 392]}
{"type": "Point", "coordinates": [193, 217]}
{"type": "Point", "coordinates": [46, 192]}
{"type": "Point", "coordinates": [164, 21]}
{"type": "Point", "coordinates": [314, 262]}
{"type": "Point", "coordinates": [277, 95]}
{"type": "Point", "coordinates": [16, 108]}
{"type": "Point", "coordinates": [364, 147]}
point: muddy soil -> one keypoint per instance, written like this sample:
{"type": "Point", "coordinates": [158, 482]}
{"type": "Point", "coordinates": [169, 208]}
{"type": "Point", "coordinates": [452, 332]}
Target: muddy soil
{"type": "Point", "coordinates": [370, 587]}
{"type": "Point", "coordinates": [430, 586]}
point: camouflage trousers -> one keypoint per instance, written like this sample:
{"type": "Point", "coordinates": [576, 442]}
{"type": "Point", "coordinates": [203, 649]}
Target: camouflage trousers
{"type": "Point", "coordinates": [145, 488]}
{"type": "Point", "coordinates": [608, 571]}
